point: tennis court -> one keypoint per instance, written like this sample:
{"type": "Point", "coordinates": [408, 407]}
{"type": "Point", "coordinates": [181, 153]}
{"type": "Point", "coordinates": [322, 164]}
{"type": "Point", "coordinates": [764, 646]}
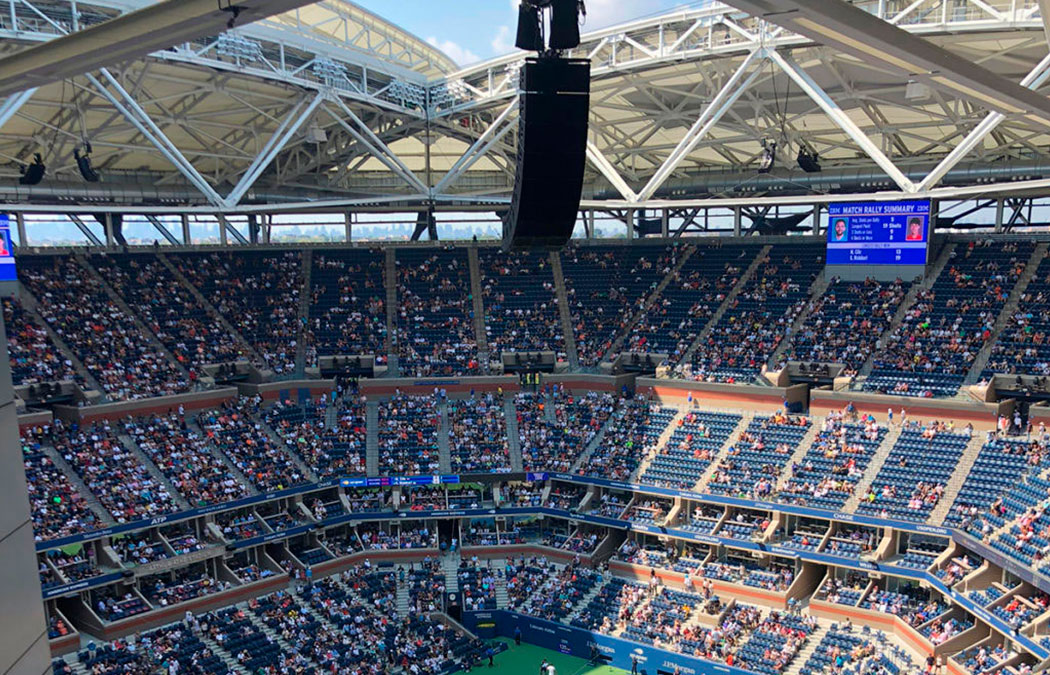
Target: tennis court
{"type": "Point", "coordinates": [526, 660]}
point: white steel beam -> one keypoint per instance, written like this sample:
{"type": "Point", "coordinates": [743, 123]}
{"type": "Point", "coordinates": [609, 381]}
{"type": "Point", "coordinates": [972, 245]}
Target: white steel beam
{"type": "Point", "coordinates": [380, 148]}
{"type": "Point", "coordinates": [849, 28]}
{"type": "Point", "coordinates": [602, 163]}
{"type": "Point", "coordinates": [1033, 80]}
{"type": "Point", "coordinates": [840, 118]}
{"type": "Point", "coordinates": [138, 117]}
{"type": "Point", "coordinates": [485, 141]}
{"type": "Point", "coordinates": [12, 104]}
{"type": "Point", "coordinates": [719, 105]}
{"type": "Point", "coordinates": [280, 138]}
{"type": "Point", "coordinates": [132, 35]}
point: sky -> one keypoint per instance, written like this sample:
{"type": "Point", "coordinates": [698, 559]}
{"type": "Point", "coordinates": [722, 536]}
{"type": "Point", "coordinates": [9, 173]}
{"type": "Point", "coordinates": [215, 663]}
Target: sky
{"type": "Point", "coordinates": [474, 30]}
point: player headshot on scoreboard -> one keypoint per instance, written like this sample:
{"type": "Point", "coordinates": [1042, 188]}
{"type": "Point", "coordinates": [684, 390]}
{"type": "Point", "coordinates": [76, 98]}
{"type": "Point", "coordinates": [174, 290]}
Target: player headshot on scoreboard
{"type": "Point", "coordinates": [914, 232]}
{"type": "Point", "coordinates": [839, 230]}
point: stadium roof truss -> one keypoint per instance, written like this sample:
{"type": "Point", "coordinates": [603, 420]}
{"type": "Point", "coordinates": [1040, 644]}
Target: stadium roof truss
{"type": "Point", "coordinates": [329, 106]}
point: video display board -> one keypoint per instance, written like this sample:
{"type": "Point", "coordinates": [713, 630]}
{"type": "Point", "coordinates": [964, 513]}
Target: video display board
{"type": "Point", "coordinates": [7, 254]}
{"type": "Point", "coordinates": [878, 233]}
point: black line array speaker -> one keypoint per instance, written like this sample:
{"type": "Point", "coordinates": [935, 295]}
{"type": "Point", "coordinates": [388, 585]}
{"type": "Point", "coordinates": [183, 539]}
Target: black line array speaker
{"type": "Point", "coordinates": [552, 151]}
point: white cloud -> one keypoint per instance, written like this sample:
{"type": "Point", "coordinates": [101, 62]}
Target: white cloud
{"type": "Point", "coordinates": [501, 44]}
{"type": "Point", "coordinates": [460, 55]}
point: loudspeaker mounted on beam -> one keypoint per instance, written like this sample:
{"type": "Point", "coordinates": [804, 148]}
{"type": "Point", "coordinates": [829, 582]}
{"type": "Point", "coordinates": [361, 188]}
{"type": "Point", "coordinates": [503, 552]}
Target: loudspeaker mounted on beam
{"type": "Point", "coordinates": [552, 151]}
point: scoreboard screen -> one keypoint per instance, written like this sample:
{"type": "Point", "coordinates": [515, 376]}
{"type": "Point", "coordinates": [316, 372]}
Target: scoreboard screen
{"type": "Point", "coordinates": [7, 256]}
{"type": "Point", "coordinates": [878, 233]}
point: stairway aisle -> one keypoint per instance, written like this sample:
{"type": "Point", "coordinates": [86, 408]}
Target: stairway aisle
{"type": "Point", "coordinates": [481, 337]}
{"type": "Point", "coordinates": [372, 438]}
{"type": "Point", "coordinates": [510, 415]}
{"type": "Point", "coordinates": [305, 296]}
{"type": "Point", "coordinates": [390, 279]}
{"type": "Point", "coordinates": [955, 483]}
{"type": "Point", "coordinates": [881, 455]}
{"type": "Point", "coordinates": [444, 447]}
{"type": "Point", "coordinates": [154, 471]}
{"type": "Point", "coordinates": [808, 649]}
{"type": "Point", "coordinates": [565, 311]}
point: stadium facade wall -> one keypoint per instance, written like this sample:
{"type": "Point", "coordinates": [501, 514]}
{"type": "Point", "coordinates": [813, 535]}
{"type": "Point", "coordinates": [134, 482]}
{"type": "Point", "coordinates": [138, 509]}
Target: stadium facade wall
{"type": "Point", "coordinates": [24, 644]}
{"type": "Point", "coordinates": [288, 389]}
{"type": "Point", "coordinates": [714, 395]}
{"type": "Point", "coordinates": [456, 387]}
{"type": "Point", "coordinates": [981, 415]}
{"type": "Point", "coordinates": [161, 405]}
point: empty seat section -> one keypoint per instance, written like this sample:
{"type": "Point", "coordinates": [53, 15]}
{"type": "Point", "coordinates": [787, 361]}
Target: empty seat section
{"type": "Point", "coordinates": [933, 349]}
{"type": "Point", "coordinates": [915, 474]}
{"type": "Point", "coordinates": [759, 317]}
{"type": "Point", "coordinates": [696, 440]}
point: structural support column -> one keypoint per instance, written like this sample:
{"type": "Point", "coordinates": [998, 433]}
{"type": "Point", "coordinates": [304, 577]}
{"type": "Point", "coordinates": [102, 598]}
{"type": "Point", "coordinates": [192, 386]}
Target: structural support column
{"type": "Point", "coordinates": [816, 220]}
{"type": "Point", "coordinates": [999, 203]}
{"type": "Point", "coordinates": [187, 238]}
{"type": "Point", "coordinates": [222, 229]}
{"type": "Point", "coordinates": [23, 630]}
{"type": "Point", "coordinates": [20, 223]}
{"type": "Point", "coordinates": [630, 224]}
{"type": "Point", "coordinates": [107, 225]}
{"type": "Point", "coordinates": [737, 217]}
{"type": "Point", "coordinates": [588, 224]}
{"type": "Point", "coordinates": [348, 224]}
{"type": "Point", "coordinates": [665, 230]}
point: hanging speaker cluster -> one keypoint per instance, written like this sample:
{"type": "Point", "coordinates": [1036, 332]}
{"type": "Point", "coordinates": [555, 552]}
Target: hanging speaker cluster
{"type": "Point", "coordinates": [552, 151]}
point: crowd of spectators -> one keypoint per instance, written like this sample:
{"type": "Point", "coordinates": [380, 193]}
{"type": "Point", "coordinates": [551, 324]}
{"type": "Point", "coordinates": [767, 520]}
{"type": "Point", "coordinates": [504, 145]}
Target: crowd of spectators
{"type": "Point", "coordinates": [77, 307]}
{"type": "Point", "coordinates": [943, 331]}
{"type": "Point", "coordinates": [181, 585]}
{"type": "Point", "coordinates": [758, 318]}
{"type": "Point", "coordinates": [605, 285]}
{"type": "Point", "coordinates": [478, 434]}
{"type": "Point", "coordinates": [688, 302]}
{"type": "Point", "coordinates": [330, 451]}
{"type": "Point", "coordinates": [33, 356]}
{"type": "Point", "coordinates": [115, 475]}
{"type": "Point", "coordinates": [185, 458]}
{"type": "Point", "coordinates": [258, 292]}
{"type": "Point", "coordinates": [555, 426]}
{"type": "Point", "coordinates": [632, 433]}
{"type": "Point", "coordinates": [236, 430]}
{"type": "Point", "coordinates": [846, 321]}
{"type": "Point", "coordinates": [435, 325]}
{"type": "Point", "coordinates": [521, 305]}
{"type": "Point", "coordinates": [834, 463]}
{"type": "Point", "coordinates": [169, 310]}
{"type": "Point", "coordinates": [347, 303]}
{"type": "Point", "coordinates": [57, 508]}
{"type": "Point", "coordinates": [407, 435]}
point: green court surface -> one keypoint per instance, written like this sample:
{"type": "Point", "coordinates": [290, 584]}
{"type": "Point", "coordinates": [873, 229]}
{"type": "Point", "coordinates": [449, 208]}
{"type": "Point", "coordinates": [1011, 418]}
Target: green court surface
{"type": "Point", "coordinates": [526, 660]}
